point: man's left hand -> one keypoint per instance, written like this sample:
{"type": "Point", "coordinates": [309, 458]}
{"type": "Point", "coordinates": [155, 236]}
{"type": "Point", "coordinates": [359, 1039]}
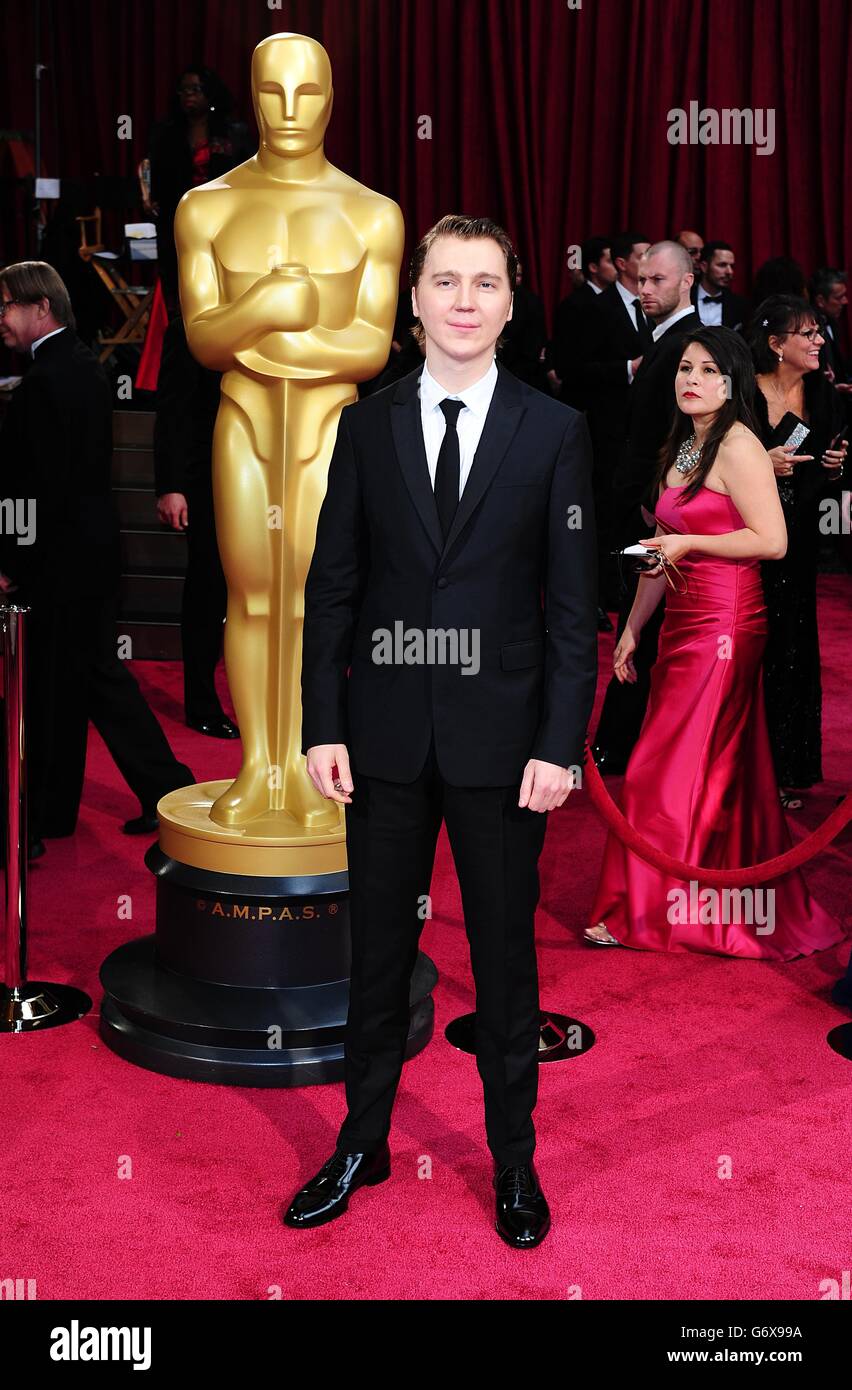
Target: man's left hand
{"type": "Point", "coordinates": [545, 785]}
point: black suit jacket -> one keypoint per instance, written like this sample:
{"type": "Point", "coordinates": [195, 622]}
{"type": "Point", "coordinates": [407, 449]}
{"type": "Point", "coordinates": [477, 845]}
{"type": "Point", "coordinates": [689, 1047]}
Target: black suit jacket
{"type": "Point", "coordinates": [609, 338]}
{"type": "Point", "coordinates": [56, 449]}
{"type": "Point", "coordinates": [567, 344]}
{"type": "Point", "coordinates": [734, 307]}
{"type": "Point", "coordinates": [187, 405]}
{"type": "Point", "coordinates": [380, 560]}
{"type": "Point", "coordinates": [652, 410]}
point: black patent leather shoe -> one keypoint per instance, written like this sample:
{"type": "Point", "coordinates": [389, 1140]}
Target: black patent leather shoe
{"type": "Point", "coordinates": [215, 728]}
{"type": "Point", "coordinates": [523, 1216]}
{"type": "Point", "coordinates": [327, 1194]}
{"type": "Point", "coordinates": [146, 824]}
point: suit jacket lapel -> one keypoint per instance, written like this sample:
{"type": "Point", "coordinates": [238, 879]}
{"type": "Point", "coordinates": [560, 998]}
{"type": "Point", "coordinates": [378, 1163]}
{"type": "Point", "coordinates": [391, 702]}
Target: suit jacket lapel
{"type": "Point", "coordinates": [501, 423]}
{"type": "Point", "coordinates": [411, 453]}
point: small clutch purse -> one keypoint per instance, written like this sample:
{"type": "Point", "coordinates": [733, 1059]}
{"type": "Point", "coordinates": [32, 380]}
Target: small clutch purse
{"type": "Point", "coordinates": [638, 559]}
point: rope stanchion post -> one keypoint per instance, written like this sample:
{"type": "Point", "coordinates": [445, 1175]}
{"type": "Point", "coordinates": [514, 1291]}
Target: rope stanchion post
{"type": "Point", "coordinates": [24, 1006]}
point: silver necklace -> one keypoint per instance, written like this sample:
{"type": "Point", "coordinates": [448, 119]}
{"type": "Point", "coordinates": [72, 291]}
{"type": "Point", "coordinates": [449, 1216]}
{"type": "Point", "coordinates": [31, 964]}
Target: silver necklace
{"type": "Point", "coordinates": [688, 455]}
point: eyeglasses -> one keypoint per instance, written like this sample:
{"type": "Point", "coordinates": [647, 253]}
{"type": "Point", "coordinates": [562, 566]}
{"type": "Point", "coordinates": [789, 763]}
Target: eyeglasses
{"type": "Point", "coordinates": [809, 333]}
{"type": "Point", "coordinates": [7, 304]}
{"type": "Point", "coordinates": [189, 88]}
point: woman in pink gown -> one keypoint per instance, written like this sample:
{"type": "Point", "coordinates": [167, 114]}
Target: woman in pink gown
{"type": "Point", "coordinates": [700, 783]}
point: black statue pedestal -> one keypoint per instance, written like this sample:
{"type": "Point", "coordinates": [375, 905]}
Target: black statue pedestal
{"type": "Point", "coordinates": [246, 979]}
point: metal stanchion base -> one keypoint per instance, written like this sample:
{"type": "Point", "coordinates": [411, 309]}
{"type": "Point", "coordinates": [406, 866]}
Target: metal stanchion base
{"type": "Point", "coordinates": [840, 1039]}
{"type": "Point", "coordinates": [36, 1005]}
{"type": "Point", "coordinates": [560, 1037]}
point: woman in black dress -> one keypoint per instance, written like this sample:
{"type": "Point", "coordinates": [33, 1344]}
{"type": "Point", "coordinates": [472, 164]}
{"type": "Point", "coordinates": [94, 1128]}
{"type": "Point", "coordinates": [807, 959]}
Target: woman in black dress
{"type": "Point", "coordinates": [785, 341]}
{"type": "Point", "coordinates": [196, 143]}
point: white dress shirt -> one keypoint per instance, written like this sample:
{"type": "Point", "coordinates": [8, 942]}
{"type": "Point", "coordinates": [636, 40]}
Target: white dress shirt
{"type": "Point", "coordinates": [477, 399]}
{"type": "Point", "coordinates": [709, 314]}
{"type": "Point", "coordinates": [627, 299]}
{"type": "Point", "coordinates": [672, 318]}
{"type": "Point", "coordinates": [44, 338]}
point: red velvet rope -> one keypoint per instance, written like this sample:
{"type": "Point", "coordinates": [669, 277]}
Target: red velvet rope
{"type": "Point", "coordinates": [748, 876]}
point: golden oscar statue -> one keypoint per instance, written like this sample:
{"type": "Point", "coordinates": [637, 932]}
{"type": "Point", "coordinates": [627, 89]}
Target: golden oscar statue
{"type": "Point", "coordinates": [289, 278]}
{"type": "Point", "coordinates": [289, 275]}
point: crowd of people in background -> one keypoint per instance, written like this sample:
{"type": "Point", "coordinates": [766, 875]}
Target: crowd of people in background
{"type": "Point", "coordinates": [613, 354]}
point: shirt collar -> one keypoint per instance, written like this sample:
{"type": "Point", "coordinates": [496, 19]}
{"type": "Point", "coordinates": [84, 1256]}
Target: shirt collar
{"type": "Point", "coordinates": [44, 338]}
{"type": "Point", "coordinates": [626, 296]}
{"type": "Point", "coordinates": [477, 397]}
{"type": "Point", "coordinates": [672, 318]}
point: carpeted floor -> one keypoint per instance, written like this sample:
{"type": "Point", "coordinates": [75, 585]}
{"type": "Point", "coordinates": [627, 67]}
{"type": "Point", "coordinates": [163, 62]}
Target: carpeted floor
{"type": "Point", "coordinates": [703, 1067]}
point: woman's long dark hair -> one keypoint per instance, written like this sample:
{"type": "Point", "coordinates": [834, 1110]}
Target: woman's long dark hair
{"type": "Point", "coordinates": [733, 359]}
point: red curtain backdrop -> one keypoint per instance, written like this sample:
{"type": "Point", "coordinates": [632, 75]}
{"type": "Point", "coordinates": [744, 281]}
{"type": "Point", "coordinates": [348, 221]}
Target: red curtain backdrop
{"type": "Point", "coordinates": [552, 119]}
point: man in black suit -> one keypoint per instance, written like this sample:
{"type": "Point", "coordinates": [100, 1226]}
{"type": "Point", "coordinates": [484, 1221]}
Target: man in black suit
{"type": "Point", "coordinates": [56, 460]}
{"type": "Point", "coordinates": [187, 405]}
{"type": "Point", "coordinates": [568, 343]}
{"type": "Point", "coordinates": [665, 281]}
{"type": "Point", "coordinates": [712, 296]}
{"type": "Point", "coordinates": [616, 336]}
{"type": "Point", "coordinates": [525, 337]}
{"type": "Point", "coordinates": [459, 513]}
{"type": "Point", "coordinates": [827, 290]}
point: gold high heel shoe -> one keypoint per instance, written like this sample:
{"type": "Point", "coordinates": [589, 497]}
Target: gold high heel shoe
{"type": "Point", "coordinates": [600, 935]}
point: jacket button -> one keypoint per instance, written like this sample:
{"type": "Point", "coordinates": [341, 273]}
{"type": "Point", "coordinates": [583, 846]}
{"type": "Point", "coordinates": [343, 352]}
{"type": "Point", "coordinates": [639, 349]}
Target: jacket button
{"type": "Point", "coordinates": [442, 582]}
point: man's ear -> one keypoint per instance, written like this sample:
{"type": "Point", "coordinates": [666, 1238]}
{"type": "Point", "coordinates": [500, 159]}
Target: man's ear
{"type": "Point", "coordinates": [511, 307]}
{"type": "Point", "coordinates": [414, 308]}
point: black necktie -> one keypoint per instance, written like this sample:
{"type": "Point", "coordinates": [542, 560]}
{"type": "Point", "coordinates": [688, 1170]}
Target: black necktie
{"type": "Point", "coordinates": [645, 336]}
{"type": "Point", "coordinates": [448, 467]}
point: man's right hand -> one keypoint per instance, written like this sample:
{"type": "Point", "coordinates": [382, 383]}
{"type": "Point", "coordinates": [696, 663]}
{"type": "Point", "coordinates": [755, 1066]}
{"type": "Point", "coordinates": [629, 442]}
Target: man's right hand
{"type": "Point", "coordinates": [173, 511]}
{"type": "Point", "coordinates": [322, 759]}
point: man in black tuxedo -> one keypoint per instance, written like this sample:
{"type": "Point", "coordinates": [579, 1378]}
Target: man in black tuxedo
{"type": "Point", "coordinates": [459, 507]}
{"type": "Point", "coordinates": [525, 337]}
{"type": "Point", "coordinates": [827, 290]}
{"type": "Point", "coordinates": [665, 280]}
{"type": "Point", "coordinates": [187, 405]}
{"type": "Point", "coordinates": [56, 449]}
{"type": "Point", "coordinates": [712, 296]}
{"type": "Point", "coordinates": [616, 335]}
{"type": "Point", "coordinates": [569, 342]}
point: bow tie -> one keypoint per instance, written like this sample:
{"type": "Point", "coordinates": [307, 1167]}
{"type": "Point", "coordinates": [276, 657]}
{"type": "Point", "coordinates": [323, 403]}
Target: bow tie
{"type": "Point", "coordinates": [712, 298]}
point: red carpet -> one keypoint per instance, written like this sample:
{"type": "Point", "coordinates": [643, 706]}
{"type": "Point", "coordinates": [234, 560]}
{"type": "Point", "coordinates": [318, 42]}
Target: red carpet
{"type": "Point", "coordinates": [700, 1062]}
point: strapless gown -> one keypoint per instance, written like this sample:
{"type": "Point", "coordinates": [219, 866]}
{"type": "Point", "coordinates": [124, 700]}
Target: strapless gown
{"type": "Point", "coordinates": [700, 782]}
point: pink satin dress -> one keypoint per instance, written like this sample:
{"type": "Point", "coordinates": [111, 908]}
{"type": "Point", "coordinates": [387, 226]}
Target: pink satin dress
{"type": "Point", "coordinates": [700, 782]}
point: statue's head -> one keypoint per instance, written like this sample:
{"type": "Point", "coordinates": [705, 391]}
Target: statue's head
{"type": "Point", "coordinates": [292, 93]}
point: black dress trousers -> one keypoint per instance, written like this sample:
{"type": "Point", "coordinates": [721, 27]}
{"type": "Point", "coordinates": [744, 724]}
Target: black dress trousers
{"type": "Point", "coordinates": [74, 675]}
{"type": "Point", "coordinates": [205, 600]}
{"type": "Point", "coordinates": [391, 834]}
